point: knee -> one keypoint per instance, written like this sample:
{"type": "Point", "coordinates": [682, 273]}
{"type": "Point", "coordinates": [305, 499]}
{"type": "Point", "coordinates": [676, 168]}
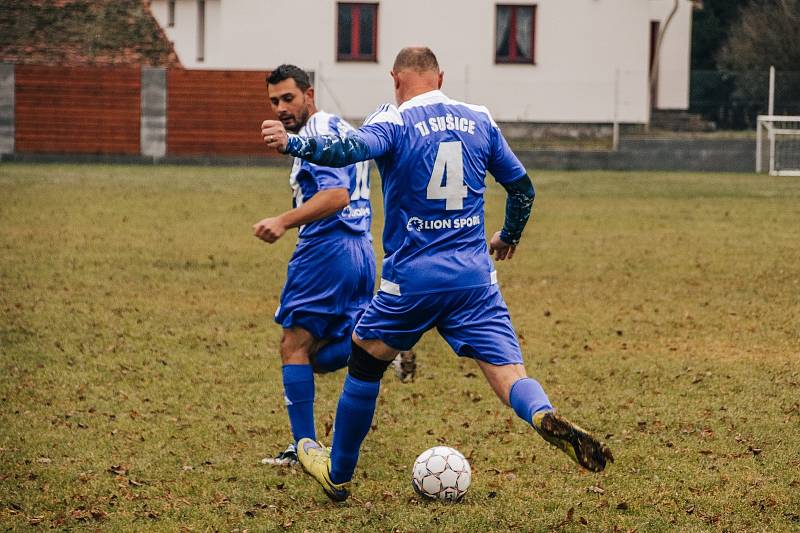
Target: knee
{"type": "Point", "coordinates": [364, 366]}
{"type": "Point", "coordinates": [293, 352]}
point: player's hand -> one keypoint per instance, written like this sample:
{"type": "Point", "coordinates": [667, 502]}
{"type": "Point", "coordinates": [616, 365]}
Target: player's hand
{"type": "Point", "coordinates": [500, 249]}
{"type": "Point", "coordinates": [275, 135]}
{"type": "Point", "coordinates": [269, 229]}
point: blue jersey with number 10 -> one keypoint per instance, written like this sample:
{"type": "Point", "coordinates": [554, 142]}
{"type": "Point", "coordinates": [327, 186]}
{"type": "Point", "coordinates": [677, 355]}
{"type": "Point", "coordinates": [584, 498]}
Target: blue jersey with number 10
{"type": "Point", "coordinates": [308, 179]}
{"type": "Point", "coordinates": [433, 154]}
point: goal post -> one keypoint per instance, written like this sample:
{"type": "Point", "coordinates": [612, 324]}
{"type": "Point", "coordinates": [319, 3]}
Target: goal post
{"type": "Point", "coordinates": [778, 145]}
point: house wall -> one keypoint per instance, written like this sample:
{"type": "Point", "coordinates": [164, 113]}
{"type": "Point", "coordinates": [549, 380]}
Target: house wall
{"type": "Point", "coordinates": [674, 69]}
{"type": "Point", "coordinates": [592, 56]}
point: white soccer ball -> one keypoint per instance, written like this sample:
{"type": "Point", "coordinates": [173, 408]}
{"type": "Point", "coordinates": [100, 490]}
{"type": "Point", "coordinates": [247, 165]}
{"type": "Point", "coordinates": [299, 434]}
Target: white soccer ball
{"type": "Point", "coordinates": [441, 473]}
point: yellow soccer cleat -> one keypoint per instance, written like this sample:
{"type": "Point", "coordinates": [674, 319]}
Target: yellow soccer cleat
{"type": "Point", "coordinates": [316, 461]}
{"type": "Point", "coordinates": [573, 440]}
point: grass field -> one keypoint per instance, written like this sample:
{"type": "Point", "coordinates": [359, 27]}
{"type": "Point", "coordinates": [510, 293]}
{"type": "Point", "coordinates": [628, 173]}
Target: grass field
{"type": "Point", "coordinates": [139, 375]}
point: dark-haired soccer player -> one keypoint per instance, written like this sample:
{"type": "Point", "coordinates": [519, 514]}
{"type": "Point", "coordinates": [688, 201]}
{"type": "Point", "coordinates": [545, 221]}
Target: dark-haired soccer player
{"type": "Point", "coordinates": [331, 275]}
{"type": "Point", "coordinates": [433, 154]}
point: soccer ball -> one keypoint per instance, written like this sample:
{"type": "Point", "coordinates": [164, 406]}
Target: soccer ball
{"type": "Point", "coordinates": [441, 473]}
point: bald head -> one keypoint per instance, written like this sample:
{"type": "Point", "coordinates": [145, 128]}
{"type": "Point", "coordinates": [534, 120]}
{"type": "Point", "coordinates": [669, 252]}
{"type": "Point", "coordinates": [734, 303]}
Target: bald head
{"type": "Point", "coordinates": [415, 72]}
{"type": "Point", "coordinates": [417, 58]}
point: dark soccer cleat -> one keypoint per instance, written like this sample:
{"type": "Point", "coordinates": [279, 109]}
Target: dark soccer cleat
{"type": "Point", "coordinates": [316, 461]}
{"type": "Point", "coordinates": [287, 457]}
{"type": "Point", "coordinates": [405, 366]}
{"type": "Point", "coordinates": [573, 440]}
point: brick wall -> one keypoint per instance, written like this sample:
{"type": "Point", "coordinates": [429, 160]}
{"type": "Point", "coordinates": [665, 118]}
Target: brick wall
{"type": "Point", "coordinates": [77, 109]}
{"type": "Point", "coordinates": [98, 110]}
{"type": "Point", "coordinates": [216, 112]}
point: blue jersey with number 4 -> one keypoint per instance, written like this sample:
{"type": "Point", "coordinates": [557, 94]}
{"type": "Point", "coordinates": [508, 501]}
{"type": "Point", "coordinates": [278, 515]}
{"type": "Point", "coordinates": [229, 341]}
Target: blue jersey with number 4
{"type": "Point", "coordinates": [433, 154]}
{"type": "Point", "coordinates": [307, 179]}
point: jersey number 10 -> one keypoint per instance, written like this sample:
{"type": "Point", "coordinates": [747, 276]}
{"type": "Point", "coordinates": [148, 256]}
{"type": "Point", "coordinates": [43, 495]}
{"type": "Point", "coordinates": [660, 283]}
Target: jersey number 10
{"type": "Point", "coordinates": [451, 187]}
{"type": "Point", "coordinates": [361, 191]}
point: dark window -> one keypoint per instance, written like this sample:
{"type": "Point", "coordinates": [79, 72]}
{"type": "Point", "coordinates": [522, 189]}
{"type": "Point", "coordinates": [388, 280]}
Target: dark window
{"type": "Point", "coordinates": [171, 13]}
{"type": "Point", "coordinates": [357, 37]}
{"type": "Point", "coordinates": [655, 29]}
{"type": "Point", "coordinates": [515, 34]}
{"type": "Point", "coordinates": [201, 31]}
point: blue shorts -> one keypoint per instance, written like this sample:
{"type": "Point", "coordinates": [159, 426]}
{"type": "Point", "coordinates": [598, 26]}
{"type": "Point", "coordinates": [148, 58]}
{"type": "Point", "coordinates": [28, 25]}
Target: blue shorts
{"type": "Point", "coordinates": [474, 322]}
{"type": "Point", "coordinates": [329, 283]}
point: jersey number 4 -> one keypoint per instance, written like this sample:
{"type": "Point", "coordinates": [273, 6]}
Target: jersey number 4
{"type": "Point", "coordinates": [449, 187]}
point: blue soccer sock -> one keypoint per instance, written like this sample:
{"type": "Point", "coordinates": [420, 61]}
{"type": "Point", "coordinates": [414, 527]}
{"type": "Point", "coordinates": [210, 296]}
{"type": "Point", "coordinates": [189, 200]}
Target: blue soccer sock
{"type": "Point", "coordinates": [353, 420]}
{"type": "Point", "coordinates": [527, 397]}
{"type": "Point", "coordinates": [333, 355]}
{"type": "Point", "coordinates": [298, 387]}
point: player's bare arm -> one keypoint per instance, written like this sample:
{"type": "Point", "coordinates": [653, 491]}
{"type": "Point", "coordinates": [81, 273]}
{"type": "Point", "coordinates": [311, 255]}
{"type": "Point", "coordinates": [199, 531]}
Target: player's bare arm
{"type": "Point", "coordinates": [519, 204]}
{"type": "Point", "coordinates": [323, 204]}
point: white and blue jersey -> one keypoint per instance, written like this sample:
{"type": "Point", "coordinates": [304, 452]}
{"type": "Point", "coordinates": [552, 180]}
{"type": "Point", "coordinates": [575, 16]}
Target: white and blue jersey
{"type": "Point", "coordinates": [331, 275]}
{"type": "Point", "coordinates": [307, 179]}
{"type": "Point", "coordinates": [433, 154]}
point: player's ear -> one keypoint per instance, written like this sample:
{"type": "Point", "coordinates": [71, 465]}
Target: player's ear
{"type": "Point", "coordinates": [309, 93]}
{"type": "Point", "coordinates": [396, 79]}
{"type": "Point", "coordinates": [441, 79]}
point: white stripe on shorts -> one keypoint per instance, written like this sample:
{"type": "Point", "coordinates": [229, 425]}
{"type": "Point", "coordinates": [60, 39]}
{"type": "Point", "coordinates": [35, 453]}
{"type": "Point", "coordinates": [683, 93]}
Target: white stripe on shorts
{"type": "Point", "coordinates": [390, 287]}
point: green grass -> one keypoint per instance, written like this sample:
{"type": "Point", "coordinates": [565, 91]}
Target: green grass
{"type": "Point", "coordinates": [140, 381]}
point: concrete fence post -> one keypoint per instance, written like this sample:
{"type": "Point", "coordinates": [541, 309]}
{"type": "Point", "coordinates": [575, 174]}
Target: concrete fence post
{"type": "Point", "coordinates": [153, 140]}
{"type": "Point", "coordinates": [7, 123]}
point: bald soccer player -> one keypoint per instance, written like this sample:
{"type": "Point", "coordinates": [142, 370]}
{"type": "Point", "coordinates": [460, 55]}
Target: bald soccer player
{"type": "Point", "coordinates": [433, 154]}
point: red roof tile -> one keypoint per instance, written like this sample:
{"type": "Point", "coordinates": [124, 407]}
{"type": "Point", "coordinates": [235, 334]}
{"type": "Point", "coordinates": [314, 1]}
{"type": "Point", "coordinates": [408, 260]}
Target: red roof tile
{"type": "Point", "coordinates": [83, 32]}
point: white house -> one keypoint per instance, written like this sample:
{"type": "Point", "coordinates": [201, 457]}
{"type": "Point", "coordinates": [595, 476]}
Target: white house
{"type": "Point", "coordinates": [548, 61]}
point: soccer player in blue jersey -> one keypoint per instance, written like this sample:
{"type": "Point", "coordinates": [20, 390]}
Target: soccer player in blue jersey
{"type": "Point", "coordinates": [331, 275]}
{"type": "Point", "coordinates": [433, 154]}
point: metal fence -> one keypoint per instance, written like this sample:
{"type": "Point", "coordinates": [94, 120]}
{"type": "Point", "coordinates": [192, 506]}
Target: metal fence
{"type": "Point", "coordinates": [733, 100]}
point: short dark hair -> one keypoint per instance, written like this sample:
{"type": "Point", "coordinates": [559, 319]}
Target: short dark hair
{"type": "Point", "coordinates": [284, 72]}
{"type": "Point", "coordinates": [419, 58]}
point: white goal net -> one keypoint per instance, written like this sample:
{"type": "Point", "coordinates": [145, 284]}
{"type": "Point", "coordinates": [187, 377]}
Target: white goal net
{"type": "Point", "coordinates": [778, 145]}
